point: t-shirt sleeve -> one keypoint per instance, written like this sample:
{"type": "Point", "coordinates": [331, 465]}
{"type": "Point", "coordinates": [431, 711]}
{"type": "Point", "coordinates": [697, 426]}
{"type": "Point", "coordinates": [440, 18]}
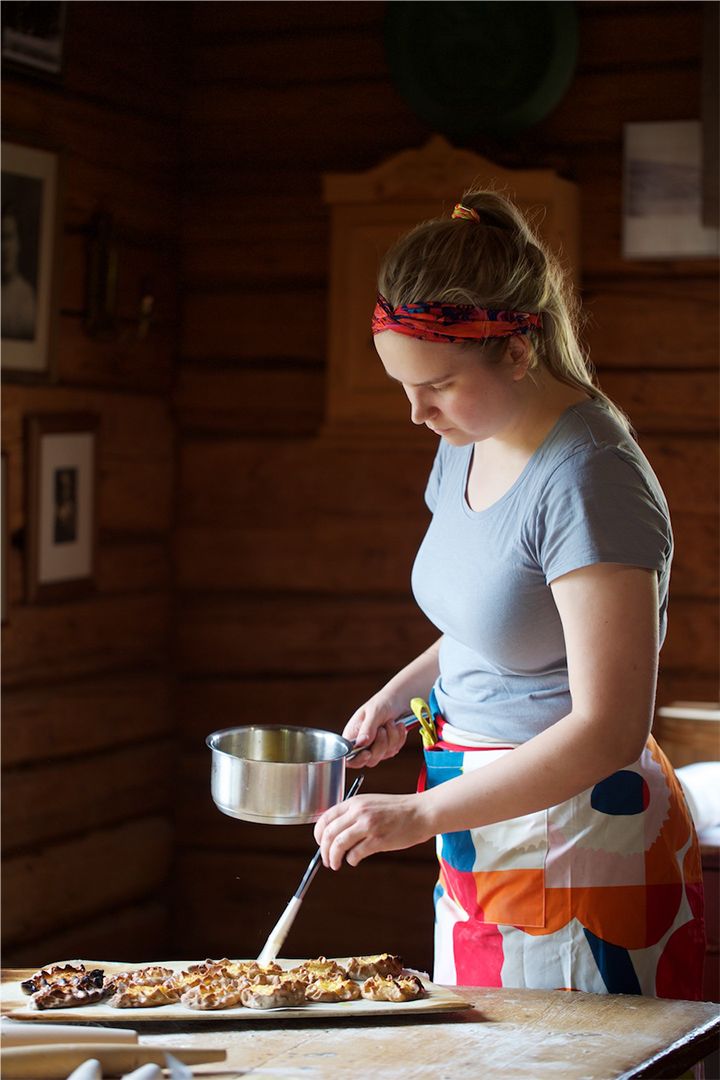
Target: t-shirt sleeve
{"type": "Point", "coordinates": [601, 508]}
{"type": "Point", "coordinates": [432, 491]}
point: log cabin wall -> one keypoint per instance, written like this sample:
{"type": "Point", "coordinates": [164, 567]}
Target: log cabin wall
{"type": "Point", "coordinates": [293, 553]}
{"type": "Point", "coordinates": [88, 732]}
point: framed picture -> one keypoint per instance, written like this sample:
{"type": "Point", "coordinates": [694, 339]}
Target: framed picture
{"type": "Point", "coordinates": [61, 505]}
{"type": "Point", "coordinates": [662, 192]}
{"type": "Point", "coordinates": [29, 251]}
{"type": "Point", "coordinates": [4, 537]}
{"type": "Point", "coordinates": [32, 36]}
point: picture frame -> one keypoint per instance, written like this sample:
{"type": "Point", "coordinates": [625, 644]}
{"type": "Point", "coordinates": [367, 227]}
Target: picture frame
{"type": "Point", "coordinates": [61, 544]}
{"type": "Point", "coordinates": [30, 254]}
{"type": "Point", "coordinates": [662, 192]}
{"type": "Point", "coordinates": [4, 537]}
{"type": "Point", "coordinates": [33, 37]}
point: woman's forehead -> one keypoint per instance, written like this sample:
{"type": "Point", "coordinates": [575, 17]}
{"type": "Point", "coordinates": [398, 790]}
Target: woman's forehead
{"type": "Point", "coordinates": [417, 362]}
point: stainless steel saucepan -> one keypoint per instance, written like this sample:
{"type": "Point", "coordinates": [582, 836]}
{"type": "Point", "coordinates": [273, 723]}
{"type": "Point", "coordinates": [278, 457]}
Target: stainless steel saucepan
{"type": "Point", "coordinates": [279, 775]}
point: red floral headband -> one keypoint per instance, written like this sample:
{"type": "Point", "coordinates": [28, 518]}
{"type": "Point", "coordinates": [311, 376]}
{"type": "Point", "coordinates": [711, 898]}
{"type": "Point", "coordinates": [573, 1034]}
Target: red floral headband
{"type": "Point", "coordinates": [430, 321]}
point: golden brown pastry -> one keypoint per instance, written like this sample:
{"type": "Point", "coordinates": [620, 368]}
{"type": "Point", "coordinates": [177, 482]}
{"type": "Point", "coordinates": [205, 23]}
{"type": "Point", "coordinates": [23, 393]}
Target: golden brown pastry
{"type": "Point", "coordinates": [143, 996]}
{"type": "Point", "coordinates": [392, 988]}
{"type": "Point", "coordinates": [280, 994]}
{"type": "Point", "coordinates": [331, 990]}
{"type": "Point", "coordinates": [144, 976]}
{"type": "Point", "coordinates": [213, 995]}
{"type": "Point", "coordinates": [321, 968]}
{"type": "Point", "coordinates": [364, 967]}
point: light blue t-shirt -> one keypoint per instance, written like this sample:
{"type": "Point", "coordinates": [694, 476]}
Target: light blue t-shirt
{"type": "Point", "coordinates": [587, 495]}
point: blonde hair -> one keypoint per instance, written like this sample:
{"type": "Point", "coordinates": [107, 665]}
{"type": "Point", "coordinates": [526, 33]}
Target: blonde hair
{"type": "Point", "coordinates": [496, 262]}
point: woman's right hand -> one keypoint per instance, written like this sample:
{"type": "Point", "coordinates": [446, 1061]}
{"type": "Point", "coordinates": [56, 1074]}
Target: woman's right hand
{"type": "Point", "coordinates": [374, 723]}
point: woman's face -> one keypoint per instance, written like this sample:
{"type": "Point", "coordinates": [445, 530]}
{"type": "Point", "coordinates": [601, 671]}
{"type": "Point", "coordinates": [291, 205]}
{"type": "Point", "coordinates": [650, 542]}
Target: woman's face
{"type": "Point", "coordinates": [454, 390]}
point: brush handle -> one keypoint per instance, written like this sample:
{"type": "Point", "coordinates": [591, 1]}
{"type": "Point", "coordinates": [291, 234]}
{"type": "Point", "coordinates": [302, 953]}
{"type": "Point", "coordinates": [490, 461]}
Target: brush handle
{"type": "Point", "coordinates": [280, 931]}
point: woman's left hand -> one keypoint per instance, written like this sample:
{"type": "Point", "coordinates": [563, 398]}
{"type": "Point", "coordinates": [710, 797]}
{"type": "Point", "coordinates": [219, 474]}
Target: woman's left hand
{"type": "Point", "coordinates": [358, 827]}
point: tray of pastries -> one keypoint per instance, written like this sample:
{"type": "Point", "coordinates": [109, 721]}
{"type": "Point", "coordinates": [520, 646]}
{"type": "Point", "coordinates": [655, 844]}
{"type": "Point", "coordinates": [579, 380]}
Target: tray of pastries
{"type": "Point", "coordinates": [224, 989]}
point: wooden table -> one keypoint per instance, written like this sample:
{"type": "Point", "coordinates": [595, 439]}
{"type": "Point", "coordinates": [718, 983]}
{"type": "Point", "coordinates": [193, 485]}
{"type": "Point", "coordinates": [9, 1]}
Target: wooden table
{"type": "Point", "coordinates": [518, 1034]}
{"type": "Point", "coordinates": [523, 1034]}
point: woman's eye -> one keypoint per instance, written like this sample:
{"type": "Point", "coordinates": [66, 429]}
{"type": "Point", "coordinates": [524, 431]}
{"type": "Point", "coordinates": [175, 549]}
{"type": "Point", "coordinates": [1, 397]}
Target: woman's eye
{"type": "Point", "coordinates": [443, 386]}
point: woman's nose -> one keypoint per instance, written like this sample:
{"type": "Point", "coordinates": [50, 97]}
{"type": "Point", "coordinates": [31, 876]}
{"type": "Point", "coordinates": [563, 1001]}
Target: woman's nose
{"type": "Point", "coordinates": [420, 408]}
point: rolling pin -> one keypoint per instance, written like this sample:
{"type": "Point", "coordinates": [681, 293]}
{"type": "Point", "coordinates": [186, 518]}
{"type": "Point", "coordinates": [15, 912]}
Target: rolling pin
{"type": "Point", "coordinates": [27, 1033]}
{"type": "Point", "coordinates": [55, 1062]}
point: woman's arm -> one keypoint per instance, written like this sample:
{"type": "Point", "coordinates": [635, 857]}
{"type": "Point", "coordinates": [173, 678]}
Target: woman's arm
{"type": "Point", "coordinates": [609, 615]}
{"type": "Point", "coordinates": [374, 722]}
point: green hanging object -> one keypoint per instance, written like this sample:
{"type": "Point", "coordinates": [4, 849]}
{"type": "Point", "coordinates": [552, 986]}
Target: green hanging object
{"type": "Point", "coordinates": [475, 67]}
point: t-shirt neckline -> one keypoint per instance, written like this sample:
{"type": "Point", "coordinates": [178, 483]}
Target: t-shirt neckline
{"type": "Point", "coordinates": [530, 465]}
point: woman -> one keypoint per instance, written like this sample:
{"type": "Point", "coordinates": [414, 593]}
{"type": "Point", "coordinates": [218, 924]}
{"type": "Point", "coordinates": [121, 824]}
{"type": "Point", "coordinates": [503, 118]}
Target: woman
{"type": "Point", "coordinates": [567, 854]}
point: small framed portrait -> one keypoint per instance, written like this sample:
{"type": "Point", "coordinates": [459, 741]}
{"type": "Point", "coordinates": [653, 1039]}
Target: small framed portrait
{"type": "Point", "coordinates": [29, 252]}
{"type": "Point", "coordinates": [61, 506]}
{"type": "Point", "coordinates": [32, 37]}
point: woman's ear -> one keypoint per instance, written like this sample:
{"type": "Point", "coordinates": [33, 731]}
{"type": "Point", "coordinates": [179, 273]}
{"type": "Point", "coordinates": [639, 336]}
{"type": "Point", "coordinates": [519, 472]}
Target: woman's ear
{"type": "Point", "coordinates": [518, 355]}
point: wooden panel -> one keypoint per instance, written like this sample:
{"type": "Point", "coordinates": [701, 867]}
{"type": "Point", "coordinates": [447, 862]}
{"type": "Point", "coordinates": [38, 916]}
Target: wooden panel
{"type": "Point", "coordinates": [134, 934]}
{"type": "Point", "coordinates": [46, 802]}
{"type": "Point", "coordinates": [129, 566]}
{"type": "Point", "coordinates": [693, 637]}
{"type": "Point", "coordinates": [114, 136]}
{"type": "Point", "coordinates": [134, 67]}
{"type": "Point", "coordinates": [661, 401]}
{"type": "Point", "coordinates": [687, 470]}
{"type": "Point", "coordinates": [86, 716]}
{"type": "Point", "coordinates": [207, 22]}
{"type": "Point", "coordinates": [327, 56]}
{"type": "Point", "coordinates": [123, 363]}
{"type": "Point", "coordinates": [628, 324]}
{"type": "Point", "coordinates": [138, 204]}
{"type": "Point", "coordinates": [218, 325]}
{"type": "Point", "coordinates": [266, 633]}
{"type": "Point", "coordinates": [222, 478]}
{"type": "Point", "coordinates": [687, 686]}
{"type": "Point", "coordinates": [56, 887]}
{"type": "Point", "coordinates": [309, 554]}
{"type": "Point", "coordinates": [250, 401]}
{"type": "Point", "coordinates": [102, 633]}
{"type": "Point", "coordinates": [229, 904]}
{"type": "Point", "coordinates": [659, 34]}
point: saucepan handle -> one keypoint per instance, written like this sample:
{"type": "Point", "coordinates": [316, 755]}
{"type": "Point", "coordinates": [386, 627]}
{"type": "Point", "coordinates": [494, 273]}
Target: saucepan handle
{"type": "Point", "coordinates": [403, 721]}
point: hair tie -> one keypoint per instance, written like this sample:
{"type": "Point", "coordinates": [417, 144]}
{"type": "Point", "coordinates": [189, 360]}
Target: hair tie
{"type": "Point", "coordinates": [467, 213]}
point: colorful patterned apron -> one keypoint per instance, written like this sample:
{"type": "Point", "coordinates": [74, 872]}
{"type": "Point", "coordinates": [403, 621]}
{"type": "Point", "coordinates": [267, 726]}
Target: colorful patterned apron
{"type": "Point", "coordinates": [601, 893]}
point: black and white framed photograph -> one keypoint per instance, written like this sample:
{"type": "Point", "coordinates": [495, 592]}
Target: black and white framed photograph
{"type": "Point", "coordinates": [29, 251]}
{"type": "Point", "coordinates": [61, 505]}
{"type": "Point", "coordinates": [662, 192]}
{"type": "Point", "coordinates": [32, 36]}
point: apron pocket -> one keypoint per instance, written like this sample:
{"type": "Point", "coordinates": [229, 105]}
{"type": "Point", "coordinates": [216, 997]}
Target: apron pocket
{"type": "Point", "coordinates": [495, 873]}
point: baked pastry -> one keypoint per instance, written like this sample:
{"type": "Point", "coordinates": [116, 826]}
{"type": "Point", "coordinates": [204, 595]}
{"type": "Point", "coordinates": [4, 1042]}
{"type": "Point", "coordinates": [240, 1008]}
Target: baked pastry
{"type": "Point", "coordinates": [133, 995]}
{"type": "Point", "coordinates": [279, 994]}
{"type": "Point", "coordinates": [67, 995]}
{"type": "Point", "coordinates": [144, 976]}
{"type": "Point", "coordinates": [331, 990]}
{"type": "Point", "coordinates": [322, 968]}
{"type": "Point", "coordinates": [209, 997]}
{"type": "Point", "coordinates": [364, 967]}
{"type": "Point", "coordinates": [392, 988]}
{"type": "Point", "coordinates": [63, 974]}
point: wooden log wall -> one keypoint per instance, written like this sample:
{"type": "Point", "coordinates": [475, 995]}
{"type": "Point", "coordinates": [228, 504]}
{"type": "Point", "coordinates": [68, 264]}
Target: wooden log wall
{"type": "Point", "coordinates": [293, 554]}
{"type": "Point", "coordinates": [88, 726]}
